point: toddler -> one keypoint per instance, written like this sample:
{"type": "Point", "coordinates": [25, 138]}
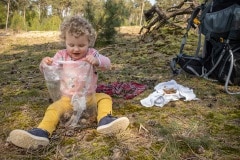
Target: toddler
{"type": "Point", "coordinates": [79, 37]}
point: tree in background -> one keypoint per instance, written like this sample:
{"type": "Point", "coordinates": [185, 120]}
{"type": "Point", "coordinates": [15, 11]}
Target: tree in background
{"type": "Point", "coordinates": [61, 8]}
{"type": "Point", "coordinates": [17, 22]}
{"type": "Point", "coordinates": [3, 15]}
{"type": "Point", "coordinates": [105, 20]}
{"type": "Point", "coordinates": [44, 15]}
{"type": "Point", "coordinates": [44, 9]}
{"type": "Point", "coordinates": [52, 23]}
{"type": "Point", "coordinates": [8, 8]}
{"type": "Point", "coordinates": [23, 5]}
{"type": "Point", "coordinates": [114, 14]}
{"type": "Point", "coordinates": [94, 13]}
{"type": "Point", "coordinates": [137, 11]}
{"type": "Point", "coordinates": [32, 19]}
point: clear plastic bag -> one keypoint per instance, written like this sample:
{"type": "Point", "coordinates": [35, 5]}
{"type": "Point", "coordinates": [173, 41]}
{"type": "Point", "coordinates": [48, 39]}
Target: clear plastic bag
{"type": "Point", "coordinates": [79, 105]}
{"type": "Point", "coordinates": [52, 80]}
{"type": "Point", "coordinates": [75, 77]}
{"type": "Point", "coordinates": [72, 79]}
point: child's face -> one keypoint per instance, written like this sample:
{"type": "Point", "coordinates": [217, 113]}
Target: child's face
{"type": "Point", "coordinates": [77, 47]}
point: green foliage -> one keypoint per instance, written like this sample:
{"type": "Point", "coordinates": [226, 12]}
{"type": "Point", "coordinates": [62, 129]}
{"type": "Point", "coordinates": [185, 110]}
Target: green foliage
{"type": "Point", "coordinates": [17, 23]}
{"type": "Point", "coordinates": [2, 16]}
{"type": "Point", "coordinates": [93, 14]}
{"type": "Point", "coordinates": [114, 15]}
{"type": "Point", "coordinates": [104, 15]}
{"type": "Point", "coordinates": [31, 18]}
{"type": "Point", "coordinates": [89, 11]}
{"type": "Point", "coordinates": [51, 24]}
{"type": "Point", "coordinates": [47, 24]}
{"type": "Point", "coordinates": [34, 24]}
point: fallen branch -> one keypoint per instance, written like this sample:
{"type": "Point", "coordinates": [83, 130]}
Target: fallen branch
{"type": "Point", "coordinates": [157, 18]}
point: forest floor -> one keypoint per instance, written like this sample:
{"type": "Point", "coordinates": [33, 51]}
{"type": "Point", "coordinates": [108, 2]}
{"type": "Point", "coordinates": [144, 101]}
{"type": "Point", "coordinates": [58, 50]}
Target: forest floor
{"type": "Point", "coordinates": [203, 129]}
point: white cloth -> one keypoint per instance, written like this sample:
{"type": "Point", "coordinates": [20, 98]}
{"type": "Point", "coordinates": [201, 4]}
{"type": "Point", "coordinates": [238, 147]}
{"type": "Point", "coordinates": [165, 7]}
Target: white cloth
{"type": "Point", "coordinates": [159, 97]}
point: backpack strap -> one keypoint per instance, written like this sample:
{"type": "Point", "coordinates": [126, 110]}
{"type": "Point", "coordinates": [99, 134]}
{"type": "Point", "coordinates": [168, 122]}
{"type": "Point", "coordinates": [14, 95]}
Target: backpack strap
{"type": "Point", "coordinates": [190, 24]}
{"type": "Point", "coordinates": [173, 66]}
{"type": "Point", "coordinates": [206, 7]}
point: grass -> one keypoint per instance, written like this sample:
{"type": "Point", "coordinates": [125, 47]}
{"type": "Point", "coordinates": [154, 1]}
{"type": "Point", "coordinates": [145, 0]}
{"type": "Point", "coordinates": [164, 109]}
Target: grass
{"type": "Point", "coordinates": [208, 128]}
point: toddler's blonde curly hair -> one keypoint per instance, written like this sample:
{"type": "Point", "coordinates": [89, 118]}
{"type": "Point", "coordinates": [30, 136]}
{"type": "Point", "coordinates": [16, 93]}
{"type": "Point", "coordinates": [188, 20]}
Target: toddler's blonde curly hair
{"type": "Point", "coordinates": [78, 26]}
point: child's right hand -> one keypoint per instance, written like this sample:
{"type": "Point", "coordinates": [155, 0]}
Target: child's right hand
{"type": "Point", "coordinates": [47, 60]}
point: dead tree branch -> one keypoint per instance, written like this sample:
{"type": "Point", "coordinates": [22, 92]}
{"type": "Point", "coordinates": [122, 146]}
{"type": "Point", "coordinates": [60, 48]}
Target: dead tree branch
{"type": "Point", "coordinates": [157, 18]}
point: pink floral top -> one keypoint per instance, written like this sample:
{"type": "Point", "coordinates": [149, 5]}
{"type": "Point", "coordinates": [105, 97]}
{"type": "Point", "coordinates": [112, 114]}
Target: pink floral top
{"type": "Point", "coordinates": [104, 64]}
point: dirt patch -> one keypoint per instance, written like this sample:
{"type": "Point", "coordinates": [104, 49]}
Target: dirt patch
{"type": "Point", "coordinates": [132, 30]}
{"type": "Point", "coordinates": [36, 34]}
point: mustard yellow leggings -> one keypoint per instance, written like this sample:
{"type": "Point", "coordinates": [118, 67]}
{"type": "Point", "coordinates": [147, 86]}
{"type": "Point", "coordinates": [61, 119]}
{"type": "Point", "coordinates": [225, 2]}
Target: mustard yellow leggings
{"type": "Point", "coordinates": [57, 109]}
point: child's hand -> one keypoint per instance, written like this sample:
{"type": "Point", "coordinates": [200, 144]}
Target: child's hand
{"type": "Point", "coordinates": [92, 60]}
{"type": "Point", "coordinates": [47, 60]}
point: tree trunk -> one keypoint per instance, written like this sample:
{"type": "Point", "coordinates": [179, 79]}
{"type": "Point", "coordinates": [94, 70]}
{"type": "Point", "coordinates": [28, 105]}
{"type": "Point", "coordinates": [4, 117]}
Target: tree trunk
{"type": "Point", "coordinates": [8, 6]}
{"type": "Point", "coordinates": [141, 16]}
{"type": "Point", "coordinates": [24, 18]}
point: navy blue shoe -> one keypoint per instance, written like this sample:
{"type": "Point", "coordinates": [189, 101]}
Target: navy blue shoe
{"type": "Point", "coordinates": [31, 139]}
{"type": "Point", "coordinates": [112, 125]}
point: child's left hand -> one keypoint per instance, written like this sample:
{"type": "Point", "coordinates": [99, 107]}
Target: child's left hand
{"type": "Point", "coordinates": [92, 60]}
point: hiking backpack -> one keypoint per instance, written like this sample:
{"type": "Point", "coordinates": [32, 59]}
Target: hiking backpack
{"type": "Point", "coordinates": [219, 23]}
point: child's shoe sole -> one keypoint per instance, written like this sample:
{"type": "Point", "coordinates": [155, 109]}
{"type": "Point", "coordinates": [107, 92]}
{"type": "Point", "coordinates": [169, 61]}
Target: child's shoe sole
{"type": "Point", "coordinates": [26, 140]}
{"type": "Point", "coordinates": [115, 126]}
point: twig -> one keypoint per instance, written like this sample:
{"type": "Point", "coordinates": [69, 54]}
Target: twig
{"type": "Point", "coordinates": [142, 127]}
